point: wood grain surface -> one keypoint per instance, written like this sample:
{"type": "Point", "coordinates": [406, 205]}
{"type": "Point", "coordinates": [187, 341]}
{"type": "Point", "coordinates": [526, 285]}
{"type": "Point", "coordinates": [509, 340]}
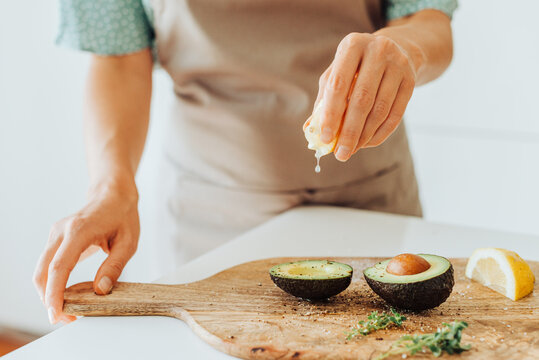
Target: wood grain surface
{"type": "Point", "coordinates": [241, 312]}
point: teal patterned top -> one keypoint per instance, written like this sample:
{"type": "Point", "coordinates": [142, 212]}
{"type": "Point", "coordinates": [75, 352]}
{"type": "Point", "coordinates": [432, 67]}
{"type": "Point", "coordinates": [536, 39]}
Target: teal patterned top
{"type": "Point", "coordinates": [118, 27]}
{"type": "Point", "coordinates": [106, 27]}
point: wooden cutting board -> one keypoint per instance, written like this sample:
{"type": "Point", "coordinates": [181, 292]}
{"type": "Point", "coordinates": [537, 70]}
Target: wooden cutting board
{"type": "Point", "coordinates": [241, 312]}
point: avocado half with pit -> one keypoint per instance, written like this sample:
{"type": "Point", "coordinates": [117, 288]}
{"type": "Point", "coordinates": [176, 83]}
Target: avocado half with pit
{"type": "Point", "coordinates": [312, 279]}
{"type": "Point", "coordinates": [412, 282]}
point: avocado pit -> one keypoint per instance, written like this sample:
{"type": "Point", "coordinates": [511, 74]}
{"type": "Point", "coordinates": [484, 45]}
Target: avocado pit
{"type": "Point", "coordinates": [407, 264]}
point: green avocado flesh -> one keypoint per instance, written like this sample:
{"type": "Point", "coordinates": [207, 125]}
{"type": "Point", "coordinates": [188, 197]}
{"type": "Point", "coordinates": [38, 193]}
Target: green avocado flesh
{"type": "Point", "coordinates": [312, 279]}
{"type": "Point", "coordinates": [421, 291]}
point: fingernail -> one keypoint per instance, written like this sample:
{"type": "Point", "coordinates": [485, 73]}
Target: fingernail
{"type": "Point", "coordinates": [342, 153]}
{"type": "Point", "coordinates": [327, 135]}
{"type": "Point", "coordinates": [64, 320]}
{"type": "Point", "coordinates": [52, 315]}
{"type": "Point", "coordinates": [105, 285]}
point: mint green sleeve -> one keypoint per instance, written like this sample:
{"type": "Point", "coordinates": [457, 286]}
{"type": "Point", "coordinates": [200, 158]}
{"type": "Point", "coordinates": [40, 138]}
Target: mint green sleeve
{"type": "Point", "coordinates": [104, 27]}
{"type": "Point", "coordinates": [399, 8]}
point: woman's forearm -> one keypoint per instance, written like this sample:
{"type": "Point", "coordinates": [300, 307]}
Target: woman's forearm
{"type": "Point", "coordinates": [116, 117]}
{"type": "Point", "coordinates": [426, 36]}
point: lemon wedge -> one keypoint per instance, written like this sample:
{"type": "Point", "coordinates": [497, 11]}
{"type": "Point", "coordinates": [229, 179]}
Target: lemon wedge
{"type": "Point", "coordinates": [502, 271]}
{"type": "Point", "coordinates": [312, 134]}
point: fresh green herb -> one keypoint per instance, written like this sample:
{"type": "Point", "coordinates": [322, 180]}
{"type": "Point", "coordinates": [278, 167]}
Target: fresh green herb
{"type": "Point", "coordinates": [445, 339]}
{"type": "Point", "coordinates": [375, 322]}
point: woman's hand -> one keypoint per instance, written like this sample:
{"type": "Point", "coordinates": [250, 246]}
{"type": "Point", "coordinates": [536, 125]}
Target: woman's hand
{"type": "Point", "coordinates": [110, 221]}
{"type": "Point", "coordinates": [116, 118]}
{"type": "Point", "coordinates": [363, 112]}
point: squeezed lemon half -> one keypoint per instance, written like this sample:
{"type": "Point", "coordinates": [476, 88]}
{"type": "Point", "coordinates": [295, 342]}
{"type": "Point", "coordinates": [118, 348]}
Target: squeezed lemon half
{"type": "Point", "coordinates": [502, 271]}
{"type": "Point", "coordinates": [313, 132]}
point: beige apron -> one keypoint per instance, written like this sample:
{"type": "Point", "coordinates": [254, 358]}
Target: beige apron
{"type": "Point", "coordinates": [245, 76]}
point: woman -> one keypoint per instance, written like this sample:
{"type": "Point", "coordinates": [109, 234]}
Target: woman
{"type": "Point", "coordinates": [246, 75]}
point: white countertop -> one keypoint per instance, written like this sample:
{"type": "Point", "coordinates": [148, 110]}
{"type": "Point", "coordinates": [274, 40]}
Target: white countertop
{"type": "Point", "coordinates": [305, 232]}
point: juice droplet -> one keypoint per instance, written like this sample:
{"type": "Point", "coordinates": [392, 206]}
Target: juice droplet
{"type": "Point", "coordinates": [317, 156]}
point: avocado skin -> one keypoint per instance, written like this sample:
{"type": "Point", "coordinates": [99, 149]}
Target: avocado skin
{"type": "Point", "coordinates": [416, 296]}
{"type": "Point", "coordinates": [312, 289]}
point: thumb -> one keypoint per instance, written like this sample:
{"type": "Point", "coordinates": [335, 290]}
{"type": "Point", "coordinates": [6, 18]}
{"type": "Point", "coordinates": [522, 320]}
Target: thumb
{"type": "Point", "coordinates": [112, 267]}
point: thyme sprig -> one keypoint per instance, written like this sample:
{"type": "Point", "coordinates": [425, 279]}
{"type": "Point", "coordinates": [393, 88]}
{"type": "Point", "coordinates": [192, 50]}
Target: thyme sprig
{"type": "Point", "coordinates": [445, 339]}
{"type": "Point", "coordinates": [375, 322]}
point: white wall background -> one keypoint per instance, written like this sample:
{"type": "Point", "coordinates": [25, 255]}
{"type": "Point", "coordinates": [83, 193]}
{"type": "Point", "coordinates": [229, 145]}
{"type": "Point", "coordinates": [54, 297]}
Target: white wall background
{"type": "Point", "coordinates": [474, 134]}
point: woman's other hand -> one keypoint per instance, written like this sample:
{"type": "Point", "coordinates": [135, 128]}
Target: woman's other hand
{"type": "Point", "coordinates": [116, 118]}
{"type": "Point", "coordinates": [110, 221]}
{"type": "Point", "coordinates": [364, 111]}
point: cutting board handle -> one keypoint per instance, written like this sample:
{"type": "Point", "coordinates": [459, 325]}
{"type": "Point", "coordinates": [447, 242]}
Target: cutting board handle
{"type": "Point", "coordinates": [126, 299]}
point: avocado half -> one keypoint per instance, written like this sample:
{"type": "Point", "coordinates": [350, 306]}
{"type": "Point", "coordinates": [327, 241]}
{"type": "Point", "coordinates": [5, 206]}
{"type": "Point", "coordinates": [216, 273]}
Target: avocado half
{"type": "Point", "coordinates": [422, 291]}
{"type": "Point", "coordinates": [312, 279]}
